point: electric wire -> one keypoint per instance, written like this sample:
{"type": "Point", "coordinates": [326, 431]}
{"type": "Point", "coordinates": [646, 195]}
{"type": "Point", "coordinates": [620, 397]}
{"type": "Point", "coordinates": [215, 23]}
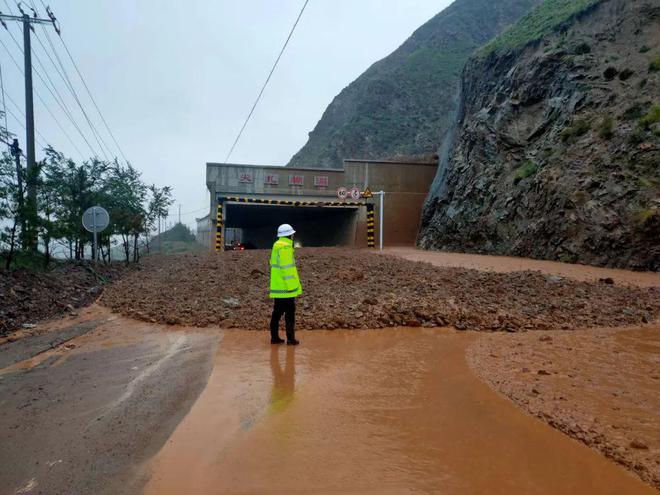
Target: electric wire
{"type": "Point", "coordinates": [57, 122]}
{"type": "Point", "coordinates": [22, 114]}
{"type": "Point", "coordinates": [4, 105]}
{"type": "Point", "coordinates": [20, 122]}
{"type": "Point", "coordinates": [71, 87]}
{"type": "Point", "coordinates": [67, 83]}
{"type": "Point", "coordinates": [57, 94]}
{"type": "Point", "coordinates": [170, 214]}
{"type": "Point", "coordinates": [61, 104]}
{"type": "Point", "coordinates": [231, 150]}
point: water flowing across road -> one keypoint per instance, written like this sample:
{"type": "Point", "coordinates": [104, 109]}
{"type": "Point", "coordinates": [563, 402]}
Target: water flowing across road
{"type": "Point", "coordinates": [389, 411]}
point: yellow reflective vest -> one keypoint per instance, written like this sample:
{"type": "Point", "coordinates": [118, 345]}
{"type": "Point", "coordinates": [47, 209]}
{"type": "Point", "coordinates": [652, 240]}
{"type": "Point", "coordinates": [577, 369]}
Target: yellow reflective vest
{"type": "Point", "coordinates": [284, 281]}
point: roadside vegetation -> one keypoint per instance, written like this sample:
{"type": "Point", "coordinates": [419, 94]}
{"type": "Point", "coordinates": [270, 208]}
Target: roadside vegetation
{"type": "Point", "coordinates": [32, 235]}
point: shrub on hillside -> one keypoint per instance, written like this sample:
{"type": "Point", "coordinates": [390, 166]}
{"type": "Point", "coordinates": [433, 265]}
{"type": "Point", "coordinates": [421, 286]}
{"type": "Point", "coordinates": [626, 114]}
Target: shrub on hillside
{"type": "Point", "coordinates": [605, 128]}
{"type": "Point", "coordinates": [579, 128]}
{"type": "Point", "coordinates": [526, 170]}
{"type": "Point", "coordinates": [654, 66]}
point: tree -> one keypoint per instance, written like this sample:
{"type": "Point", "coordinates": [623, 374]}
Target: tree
{"type": "Point", "coordinates": [11, 195]}
{"type": "Point", "coordinates": [73, 188]}
{"type": "Point", "coordinates": [126, 194]}
{"type": "Point", "coordinates": [65, 190]}
{"type": "Point", "coordinates": [161, 200]}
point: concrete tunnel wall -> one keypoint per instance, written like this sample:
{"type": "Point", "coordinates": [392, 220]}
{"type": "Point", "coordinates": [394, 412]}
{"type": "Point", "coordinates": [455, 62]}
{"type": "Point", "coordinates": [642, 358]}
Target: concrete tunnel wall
{"type": "Point", "coordinates": [406, 185]}
{"type": "Point", "coordinates": [315, 226]}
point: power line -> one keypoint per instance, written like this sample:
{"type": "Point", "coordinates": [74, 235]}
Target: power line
{"type": "Point", "coordinates": [231, 150]}
{"type": "Point", "coordinates": [82, 79]}
{"type": "Point", "coordinates": [105, 123]}
{"type": "Point", "coordinates": [18, 66]}
{"type": "Point", "coordinates": [56, 94]}
{"type": "Point", "coordinates": [45, 105]}
{"type": "Point", "coordinates": [187, 212]}
{"type": "Point", "coordinates": [39, 142]}
{"type": "Point", "coordinates": [18, 109]}
{"type": "Point", "coordinates": [75, 96]}
{"type": "Point", "coordinates": [4, 105]}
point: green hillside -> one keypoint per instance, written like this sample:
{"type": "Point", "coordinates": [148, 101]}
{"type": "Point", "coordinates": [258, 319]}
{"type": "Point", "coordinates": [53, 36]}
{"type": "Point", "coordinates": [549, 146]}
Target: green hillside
{"type": "Point", "coordinates": [539, 23]}
{"type": "Point", "coordinates": [403, 104]}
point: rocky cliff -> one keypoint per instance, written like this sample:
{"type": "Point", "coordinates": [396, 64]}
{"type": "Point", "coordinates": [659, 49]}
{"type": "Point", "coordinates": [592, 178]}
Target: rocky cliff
{"type": "Point", "coordinates": [555, 152]}
{"type": "Point", "coordinates": [404, 103]}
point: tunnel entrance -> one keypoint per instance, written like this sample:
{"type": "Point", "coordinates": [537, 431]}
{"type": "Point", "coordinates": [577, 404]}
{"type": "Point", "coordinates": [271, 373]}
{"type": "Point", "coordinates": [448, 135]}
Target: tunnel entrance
{"type": "Point", "coordinates": [255, 225]}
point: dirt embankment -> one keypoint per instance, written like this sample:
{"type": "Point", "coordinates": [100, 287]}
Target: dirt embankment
{"type": "Point", "coordinates": [600, 386]}
{"type": "Point", "coordinates": [354, 289]}
{"type": "Point", "coordinates": [27, 297]}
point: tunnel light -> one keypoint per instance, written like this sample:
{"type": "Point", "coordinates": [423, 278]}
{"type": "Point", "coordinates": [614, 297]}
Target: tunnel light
{"type": "Point", "coordinates": [297, 244]}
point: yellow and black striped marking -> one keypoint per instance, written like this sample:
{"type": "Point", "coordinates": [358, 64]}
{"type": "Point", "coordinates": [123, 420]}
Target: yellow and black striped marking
{"type": "Point", "coordinates": [371, 242]}
{"type": "Point", "coordinates": [288, 202]}
{"type": "Point", "coordinates": [219, 244]}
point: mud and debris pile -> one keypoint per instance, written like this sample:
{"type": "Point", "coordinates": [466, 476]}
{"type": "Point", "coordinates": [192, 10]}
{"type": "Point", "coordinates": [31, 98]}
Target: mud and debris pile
{"type": "Point", "coordinates": [27, 297]}
{"type": "Point", "coordinates": [599, 386]}
{"type": "Point", "coordinates": [355, 289]}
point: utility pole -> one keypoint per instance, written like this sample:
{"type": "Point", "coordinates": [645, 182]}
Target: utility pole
{"type": "Point", "coordinates": [179, 212]}
{"type": "Point", "coordinates": [30, 236]}
{"type": "Point", "coordinates": [30, 213]}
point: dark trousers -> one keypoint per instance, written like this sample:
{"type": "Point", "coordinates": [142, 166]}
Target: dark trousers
{"type": "Point", "coordinates": [287, 307]}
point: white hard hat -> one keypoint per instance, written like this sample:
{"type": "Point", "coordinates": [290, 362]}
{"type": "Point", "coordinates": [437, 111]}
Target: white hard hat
{"type": "Point", "coordinates": [285, 230]}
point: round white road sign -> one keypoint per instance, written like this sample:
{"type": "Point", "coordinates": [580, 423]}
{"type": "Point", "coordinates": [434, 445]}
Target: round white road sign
{"type": "Point", "coordinates": [95, 219]}
{"type": "Point", "coordinates": [356, 193]}
{"type": "Point", "coordinates": [342, 193]}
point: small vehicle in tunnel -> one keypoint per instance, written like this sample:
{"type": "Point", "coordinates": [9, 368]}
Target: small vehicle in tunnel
{"type": "Point", "coordinates": [240, 246]}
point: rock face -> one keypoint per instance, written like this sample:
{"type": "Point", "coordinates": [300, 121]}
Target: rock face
{"type": "Point", "coordinates": [403, 104]}
{"type": "Point", "coordinates": [555, 152]}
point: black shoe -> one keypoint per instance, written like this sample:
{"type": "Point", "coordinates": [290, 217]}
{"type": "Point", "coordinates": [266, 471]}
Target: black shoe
{"type": "Point", "coordinates": [277, 341]}
{"type": "Point", "coordinates": [292, 342]}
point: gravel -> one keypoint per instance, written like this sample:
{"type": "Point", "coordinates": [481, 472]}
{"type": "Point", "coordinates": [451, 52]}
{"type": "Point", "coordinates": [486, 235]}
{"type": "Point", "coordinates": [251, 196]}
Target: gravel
{"type": "Point", "coordinates": [357, 289]}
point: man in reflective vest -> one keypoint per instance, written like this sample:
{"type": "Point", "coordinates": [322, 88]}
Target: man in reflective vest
{"type": "Point", "coordinates": [284, 285]}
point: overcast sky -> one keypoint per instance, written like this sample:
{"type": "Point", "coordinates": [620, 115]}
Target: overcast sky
{"type": "Point", "coordinates": [175, 80]}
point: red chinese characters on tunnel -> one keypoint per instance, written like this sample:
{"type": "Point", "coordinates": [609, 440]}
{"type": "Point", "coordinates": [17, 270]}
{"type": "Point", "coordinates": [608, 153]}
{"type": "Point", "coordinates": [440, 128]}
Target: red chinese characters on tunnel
{"type": "Point", "coordinates": [272, 179]}
{"type": "Point", "coordinates": [321, 181]}
{"type": "Point", "coordinates": [245, 178]}
{"type": "Point", "coordinates": [296, 180]}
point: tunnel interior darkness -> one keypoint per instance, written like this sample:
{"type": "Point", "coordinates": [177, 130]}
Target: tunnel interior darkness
{"type": "Point", "coordinates": [315, 226]}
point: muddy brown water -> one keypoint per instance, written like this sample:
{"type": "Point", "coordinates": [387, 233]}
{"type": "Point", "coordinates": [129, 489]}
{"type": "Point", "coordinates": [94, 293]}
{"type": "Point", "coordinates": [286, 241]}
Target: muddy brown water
{"type": "Point", "coordinates": [505, 264]}
{"type": "Point", "coordinates": [389, 411]}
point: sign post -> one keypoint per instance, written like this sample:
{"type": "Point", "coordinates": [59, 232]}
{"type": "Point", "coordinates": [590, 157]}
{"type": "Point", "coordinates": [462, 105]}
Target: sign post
{"type": "Point", "coordinates": [95, 219]}
{"type": "Point", "coordinates": [381, 216]}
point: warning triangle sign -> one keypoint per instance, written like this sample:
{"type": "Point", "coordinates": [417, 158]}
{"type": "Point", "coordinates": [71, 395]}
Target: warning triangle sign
{"type": "Point", "coordinates": [367, 193]}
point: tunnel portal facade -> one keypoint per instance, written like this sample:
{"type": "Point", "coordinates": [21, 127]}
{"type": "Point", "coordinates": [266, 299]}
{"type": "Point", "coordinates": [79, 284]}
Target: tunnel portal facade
{"type": "Point", "coordinates": [248, 202]}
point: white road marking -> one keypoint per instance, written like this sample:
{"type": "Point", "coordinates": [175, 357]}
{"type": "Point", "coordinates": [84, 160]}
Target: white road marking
{"type": "Point", "coordinates": [29, 486]}
{"type": "Point", "coordinates": [148, 371]}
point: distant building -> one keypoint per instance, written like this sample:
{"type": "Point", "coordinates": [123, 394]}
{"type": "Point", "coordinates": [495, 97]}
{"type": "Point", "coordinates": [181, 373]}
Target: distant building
{"type": "Point", "coordinates": [203, 233]}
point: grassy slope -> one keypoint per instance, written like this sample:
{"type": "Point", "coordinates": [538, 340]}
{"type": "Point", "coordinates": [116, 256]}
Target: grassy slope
{"type": "Point", "coordinates": [540, 22]}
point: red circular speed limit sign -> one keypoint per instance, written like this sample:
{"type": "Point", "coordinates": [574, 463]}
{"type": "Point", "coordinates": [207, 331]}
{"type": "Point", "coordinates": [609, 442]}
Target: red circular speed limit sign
{"type": "Point", "coordinates": [342, 193]}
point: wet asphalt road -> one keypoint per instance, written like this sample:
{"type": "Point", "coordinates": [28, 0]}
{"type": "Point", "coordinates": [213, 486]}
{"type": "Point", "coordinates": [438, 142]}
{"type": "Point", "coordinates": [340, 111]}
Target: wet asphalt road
{"type": "Point", "coordinates": [87, 418]}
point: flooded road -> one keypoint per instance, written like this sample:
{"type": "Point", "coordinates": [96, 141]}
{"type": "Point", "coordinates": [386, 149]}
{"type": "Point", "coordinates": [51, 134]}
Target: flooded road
{"type": "Point", "coordinates": [505, 264]}
{"type": "Point", "coordinates": [390, 411]}
{"type": "Point", "coordinates": [85, 416]}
